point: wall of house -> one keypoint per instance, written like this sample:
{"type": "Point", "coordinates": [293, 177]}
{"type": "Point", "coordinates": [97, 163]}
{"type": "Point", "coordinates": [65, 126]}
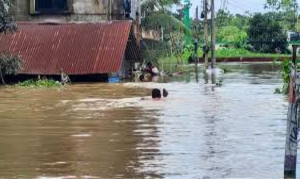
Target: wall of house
{"type": "Point", "coordinates": [79, 10]}
{"type": "Point", "coordinates": [126, 69]}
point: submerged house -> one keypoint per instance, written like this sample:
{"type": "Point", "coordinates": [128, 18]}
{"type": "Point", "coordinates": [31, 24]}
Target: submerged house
{"type": "Point", "coordinates": [88, 40]}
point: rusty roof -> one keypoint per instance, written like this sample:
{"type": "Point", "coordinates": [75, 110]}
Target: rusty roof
{"type": "Point", "coordinates": [77, 48]}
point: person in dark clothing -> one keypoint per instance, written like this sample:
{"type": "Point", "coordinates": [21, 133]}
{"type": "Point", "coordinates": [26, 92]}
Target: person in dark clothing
{"type": "Point", "coordinates": [156, 94]}
{"type": "Point", "coordinates": [165, 93]}
{"type": "Point", "coordinates": [142, 77]}
{"type": "Point", "coordinates": [151, 69]}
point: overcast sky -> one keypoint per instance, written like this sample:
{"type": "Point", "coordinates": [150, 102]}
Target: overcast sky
{"type": "Point", "coordinates": [235, 6]}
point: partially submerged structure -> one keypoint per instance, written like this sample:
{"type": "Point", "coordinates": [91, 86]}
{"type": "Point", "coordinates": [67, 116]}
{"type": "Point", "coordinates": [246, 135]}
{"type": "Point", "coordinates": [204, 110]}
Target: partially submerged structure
{"type": "Point", "coordinates": [83, 49]}
{"type": "Point", "coordinates": [91, 38]}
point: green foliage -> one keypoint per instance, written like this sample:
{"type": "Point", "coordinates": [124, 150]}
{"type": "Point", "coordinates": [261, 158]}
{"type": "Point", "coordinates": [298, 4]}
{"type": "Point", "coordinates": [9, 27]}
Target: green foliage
{"type": "Point", "coordinates": [6, 20]}
{"type": "Point", "coordinates": [149, 7]}
{"type": "Point", "coordinates": [152, 50]}
{"type": "Point", "coordinates": [266, 35]}
{"type": "Point", "coordinates": [241, 52]}
{"type": "Point", "coordinates": [10, 64]}
{"type": "Point", "coordinates": [234, 35]}
{"type": "Point", "coordinates": [286, 66]}
{"type": "Point", "coordinates": [157, 16]}
{"type": "Point", "coordinates": [224, 18]}
{"type": "Point", "coordinates": [163, 20]}
{"type": "Point", "coordinates": [41, 83]}
{"type": "Point", "coordinates": [286, 12]}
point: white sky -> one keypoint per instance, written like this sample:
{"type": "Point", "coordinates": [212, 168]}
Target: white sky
{"type": "Point", "coordinates": [235, 6]}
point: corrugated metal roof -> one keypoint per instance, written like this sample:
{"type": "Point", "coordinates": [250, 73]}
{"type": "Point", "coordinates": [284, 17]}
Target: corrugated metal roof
{"type": "Point", "coordinates": [82, 48]}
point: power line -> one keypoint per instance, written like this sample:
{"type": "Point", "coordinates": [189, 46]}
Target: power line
{"type": "Point", "coordinates": [241, 6]}
{"type": "Point", "coordinates": [236, 6]}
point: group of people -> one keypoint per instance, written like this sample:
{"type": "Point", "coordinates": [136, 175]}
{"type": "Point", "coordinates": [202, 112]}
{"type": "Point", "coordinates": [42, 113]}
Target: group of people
{"type": "Point", "coordinates": [148, 74]}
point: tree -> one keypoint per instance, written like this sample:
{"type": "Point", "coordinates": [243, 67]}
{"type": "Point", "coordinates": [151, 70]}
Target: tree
{"type": "Point", "coordinates": [157, 15]}
{"type": "Point", "coordinates": [9, 65]}
{"type": "Point", "coordinates": [288, 10]}
{"type": "Point", "coordinates": [6, 20]}
{"type": "Point", "coordinates": [224, 18]}
{"type": "Point", "coordinates": [266, 35]}
{"type": "Point", "coordinates": [232, 35]}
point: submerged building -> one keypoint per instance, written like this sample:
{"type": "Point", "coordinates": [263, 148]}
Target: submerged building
{"type": "Point", "coordinates": [91, 38]}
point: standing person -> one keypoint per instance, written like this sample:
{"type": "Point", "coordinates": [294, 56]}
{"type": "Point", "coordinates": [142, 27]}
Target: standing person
{"type": "Point", "coordinates": [151, 69]}
{"type": "Point", "coordinates": [64, 77]}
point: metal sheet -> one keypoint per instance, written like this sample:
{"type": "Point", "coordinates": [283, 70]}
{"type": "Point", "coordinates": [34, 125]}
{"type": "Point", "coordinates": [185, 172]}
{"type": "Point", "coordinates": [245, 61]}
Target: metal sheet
{"type": "Point", "coordinates": [77, 48]}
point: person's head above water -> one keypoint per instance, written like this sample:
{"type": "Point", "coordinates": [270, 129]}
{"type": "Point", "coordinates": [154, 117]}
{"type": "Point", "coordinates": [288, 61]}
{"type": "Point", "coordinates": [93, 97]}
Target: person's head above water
{"type": "Point", "coordinates": [149, 65]}
{"type": "Point", "coordinates": [156, 94]}
{"type": "Point", "coordinates": [142, 77]}
{"type": "Point", "coordinates": [165, 93]}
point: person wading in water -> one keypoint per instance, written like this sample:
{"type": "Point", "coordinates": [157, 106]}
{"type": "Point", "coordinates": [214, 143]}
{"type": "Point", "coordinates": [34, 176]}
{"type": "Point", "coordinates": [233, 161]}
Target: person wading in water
{"type": "Point", "coordinates": [149, 70]}
{"type": "Point", "coordinates": [156, 94]}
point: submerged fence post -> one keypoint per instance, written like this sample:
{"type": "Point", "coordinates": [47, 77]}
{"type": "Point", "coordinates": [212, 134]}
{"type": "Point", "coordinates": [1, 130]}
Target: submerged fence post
{"type": "Point", "coordinates": [290, 160]}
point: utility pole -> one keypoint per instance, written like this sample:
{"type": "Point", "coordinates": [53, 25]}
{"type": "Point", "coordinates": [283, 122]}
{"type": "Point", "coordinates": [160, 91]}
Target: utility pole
{"type": "Point", "coordinates": [213, 35]}
{"type": "Point", "coordinates": [213, 42]}
{"type": "Point", "coordinates": [196, 44]}
{"type": "Point", "coordinates": [290, 160]}
{"type": "Point", "coordinates": [205, 34]}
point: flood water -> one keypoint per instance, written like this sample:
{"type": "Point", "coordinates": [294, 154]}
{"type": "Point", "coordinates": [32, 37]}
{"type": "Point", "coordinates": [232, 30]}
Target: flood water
{"type": "Point", "coordinates": [106, 131]}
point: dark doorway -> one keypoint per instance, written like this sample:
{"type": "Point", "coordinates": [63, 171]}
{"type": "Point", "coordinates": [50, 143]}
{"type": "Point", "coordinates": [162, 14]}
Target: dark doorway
{"type": "Point", "coordinates": [51, 6]}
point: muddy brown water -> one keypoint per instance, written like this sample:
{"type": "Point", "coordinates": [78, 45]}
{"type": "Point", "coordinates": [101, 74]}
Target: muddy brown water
{"type": "Point", "coordinates": [106, 131]}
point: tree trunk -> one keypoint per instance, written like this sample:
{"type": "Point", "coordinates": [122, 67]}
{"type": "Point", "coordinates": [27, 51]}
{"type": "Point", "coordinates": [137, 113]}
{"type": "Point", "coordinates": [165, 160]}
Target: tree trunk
{"type": "Point", "coordinates": [173, 46]}
{"type": "Point", "coordinates": [2, 76]}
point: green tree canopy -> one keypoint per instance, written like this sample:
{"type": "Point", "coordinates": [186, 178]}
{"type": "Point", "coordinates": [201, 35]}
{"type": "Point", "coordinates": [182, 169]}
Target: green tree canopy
{"type": "Point", "coordinates": [266, 35]}
{"type": "Point", "coordinates": [232, 35]}
{"type": "Point", "coordinates": [286, 11]}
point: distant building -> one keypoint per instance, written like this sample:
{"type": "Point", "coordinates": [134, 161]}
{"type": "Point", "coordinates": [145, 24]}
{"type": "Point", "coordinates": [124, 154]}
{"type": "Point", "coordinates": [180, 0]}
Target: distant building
{"type": "Point", "coordinates": [293, 36]}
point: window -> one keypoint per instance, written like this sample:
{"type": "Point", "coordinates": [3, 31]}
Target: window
{"type": "Point", "coordinates": [127, 7]}
{"type": "Point", "coordinates": [51, 6]}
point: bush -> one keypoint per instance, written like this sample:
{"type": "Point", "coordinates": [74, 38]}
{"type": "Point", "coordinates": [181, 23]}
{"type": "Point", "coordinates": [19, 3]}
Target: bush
{"type": "Point", "coordinates": [47, 83]}
{"type": "Point", "coordinates": [9, 65]}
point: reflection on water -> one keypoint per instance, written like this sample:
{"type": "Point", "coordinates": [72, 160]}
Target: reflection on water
{"type": "Point", "coordinates": [106, 131]}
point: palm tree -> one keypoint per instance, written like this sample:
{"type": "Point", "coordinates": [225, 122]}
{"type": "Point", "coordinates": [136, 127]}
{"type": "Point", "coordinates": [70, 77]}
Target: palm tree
{"type": "Point", "coordinates": [157, 16]}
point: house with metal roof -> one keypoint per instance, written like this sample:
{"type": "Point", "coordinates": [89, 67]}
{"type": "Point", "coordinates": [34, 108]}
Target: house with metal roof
{"type": "Point", "coordinates": [76, 48]}
{"type": "Point", "coordinates": [82, 38]}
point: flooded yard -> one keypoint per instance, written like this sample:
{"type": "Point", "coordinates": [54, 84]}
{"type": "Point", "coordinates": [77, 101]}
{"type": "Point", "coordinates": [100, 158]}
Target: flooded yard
{"type": "Point", "coordinates": [106, 131]}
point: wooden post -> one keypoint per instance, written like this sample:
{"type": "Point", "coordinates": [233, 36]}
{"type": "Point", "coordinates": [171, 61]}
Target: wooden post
{"type": "Point", "coordinates": [290, 160]}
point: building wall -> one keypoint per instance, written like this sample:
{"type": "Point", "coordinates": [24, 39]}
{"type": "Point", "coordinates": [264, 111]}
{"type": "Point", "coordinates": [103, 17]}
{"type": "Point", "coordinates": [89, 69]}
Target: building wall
{"type": "Point", "coordinates": [78, 10]}
{"type": "Point", "coordinates": [126, 69]}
